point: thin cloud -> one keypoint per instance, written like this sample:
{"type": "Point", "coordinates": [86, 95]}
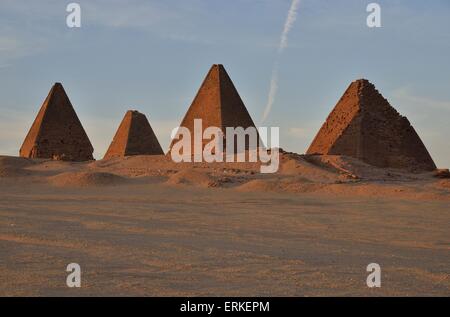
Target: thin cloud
{"type": "Point", "coordinates": [8, 44]}
{"type": "Point", "coordinates": [299, 133]}
{"type": "Point", "coordinates": [405, 96]}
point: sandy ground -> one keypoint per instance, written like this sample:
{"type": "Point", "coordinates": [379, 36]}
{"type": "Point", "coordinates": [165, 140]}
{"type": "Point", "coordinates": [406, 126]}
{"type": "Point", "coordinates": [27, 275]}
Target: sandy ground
{"type": "Point", "coordinates": [147, 226]}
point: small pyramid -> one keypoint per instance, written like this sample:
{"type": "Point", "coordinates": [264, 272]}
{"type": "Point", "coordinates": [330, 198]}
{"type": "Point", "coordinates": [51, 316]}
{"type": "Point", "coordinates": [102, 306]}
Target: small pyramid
{"type": "Point", "coordinates": [57, 132]}
{"type": "Point", "coordinates": [218, 104]}
{"type": "Point", "coordinates": [364, 125]}
{"type": "Point", "coordinates": [134, 137]}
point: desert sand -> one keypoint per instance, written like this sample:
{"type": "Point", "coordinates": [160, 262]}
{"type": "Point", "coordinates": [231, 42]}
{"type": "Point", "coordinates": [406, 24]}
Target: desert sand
{"type": "Point", "coordinates": [146, 226]}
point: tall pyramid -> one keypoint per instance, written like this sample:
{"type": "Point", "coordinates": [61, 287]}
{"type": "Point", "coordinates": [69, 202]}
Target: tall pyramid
{"type": "Point", "coordinates": [364, 125]}
{"type": "Point", "coordinates": [218, 104]}
{"type": "Point", "coordinates": [57, 132]}
{"type": "Point", "coordinates": [134, 137]}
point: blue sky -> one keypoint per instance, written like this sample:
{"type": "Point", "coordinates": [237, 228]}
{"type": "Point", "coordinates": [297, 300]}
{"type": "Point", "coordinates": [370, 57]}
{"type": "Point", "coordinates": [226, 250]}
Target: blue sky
{"type": "Point", "coordinates": [153, 55]}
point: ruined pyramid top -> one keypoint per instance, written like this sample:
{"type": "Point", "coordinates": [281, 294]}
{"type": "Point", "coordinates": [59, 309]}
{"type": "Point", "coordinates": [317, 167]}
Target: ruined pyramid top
{"type": "Point", "coordinates": [57, 132]}
{"type": "Point", "coordinates": [364, 125]}
{"type": "Point", "coordinates": [134, 137]}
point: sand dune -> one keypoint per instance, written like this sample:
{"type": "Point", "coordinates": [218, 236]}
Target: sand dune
{"type": "Point", "coordinates": [444, 183]}
{"type": "Point", "coordinates": [192, 178]}
{"type": "Point", "coordinates": [14, 166]}
{"type": "Point", "coordinates": [328, 174]}
{"type": "Point", "coordinates": [86, 179]}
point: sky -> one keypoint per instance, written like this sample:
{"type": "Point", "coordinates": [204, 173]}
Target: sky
{"type": "Point", "coordinates": [152, 56]}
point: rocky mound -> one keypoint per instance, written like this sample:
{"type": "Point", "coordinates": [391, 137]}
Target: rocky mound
{"type": "Point", "coordinates": [14, 166]}
{"type": "Point", "coordinates": [84, 179]}
{"type": "Point", "coordinates": [287, 184]}
{"type": "Point", "coordinates": [191, 177]}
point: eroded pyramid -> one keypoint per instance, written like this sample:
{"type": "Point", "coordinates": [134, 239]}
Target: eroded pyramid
{"type": "Point", "coordinates": [134, 137]}
{"type": "Point", "coordinates": [364, 125]}
{"type": "Point", "coordinates": [218, 104]}
{"type": "Point", "coordinates": [57, 132]}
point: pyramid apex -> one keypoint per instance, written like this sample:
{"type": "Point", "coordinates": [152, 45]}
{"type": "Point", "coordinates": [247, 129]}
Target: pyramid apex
{"type": "Point", "coordinates": [133, 112]}
{"type": "Point", "coordinates": [57, 88]}
{"type": "Point", "coordinates": [362, 85]}
{"type": "Point", "coordinates": [362, 82]}
{"type": "Point", "coordinates": [217, 66]}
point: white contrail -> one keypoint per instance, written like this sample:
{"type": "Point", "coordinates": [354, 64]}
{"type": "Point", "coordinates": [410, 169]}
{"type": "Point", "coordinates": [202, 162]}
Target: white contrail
{"type": "Point", "coordinates": [291, 17]}
{"type": "Point", "coordinates": [272, 92]}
